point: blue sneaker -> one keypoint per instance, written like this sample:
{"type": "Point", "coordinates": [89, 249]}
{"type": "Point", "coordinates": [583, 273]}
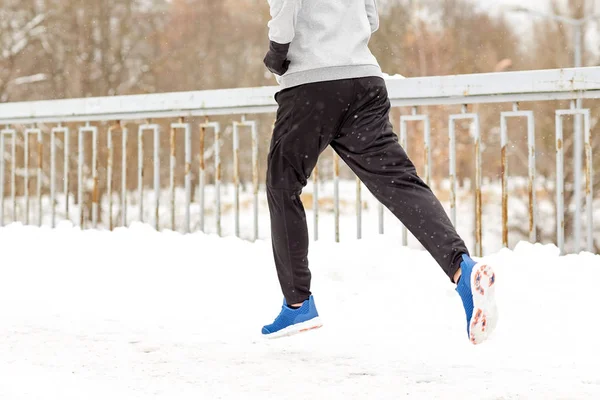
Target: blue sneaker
{"type": "Point", "coordinates": [477, 291]}
{"type": "Point", "coordinates": [291, 321]}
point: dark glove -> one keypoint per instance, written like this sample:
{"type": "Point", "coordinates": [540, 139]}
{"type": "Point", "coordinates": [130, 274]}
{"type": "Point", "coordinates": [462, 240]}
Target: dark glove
{"type": "Point", "coordinates": [276, 59]}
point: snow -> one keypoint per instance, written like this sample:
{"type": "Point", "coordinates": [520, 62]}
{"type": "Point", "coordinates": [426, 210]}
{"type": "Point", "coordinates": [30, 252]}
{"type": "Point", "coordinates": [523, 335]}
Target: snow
{"type": "Point", "coordinates": [138, 314]}
{"type": "Point", "coordinates": [388, 77]}
{"type": "Point", "coordinates": [24, 80]}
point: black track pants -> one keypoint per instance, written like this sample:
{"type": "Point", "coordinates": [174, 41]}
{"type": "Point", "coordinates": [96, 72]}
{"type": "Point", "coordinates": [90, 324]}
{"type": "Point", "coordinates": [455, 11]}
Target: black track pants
{"type": "Point", "coordinates": [353, 117]}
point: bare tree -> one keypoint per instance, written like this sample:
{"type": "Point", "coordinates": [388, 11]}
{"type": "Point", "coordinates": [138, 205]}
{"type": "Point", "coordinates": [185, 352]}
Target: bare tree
{"type": "Point", "coordinates": [19, 30]}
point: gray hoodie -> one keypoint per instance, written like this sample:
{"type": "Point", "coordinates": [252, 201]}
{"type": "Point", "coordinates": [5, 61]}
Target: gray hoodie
{"type": "Point", "coordinates": [328, 39]}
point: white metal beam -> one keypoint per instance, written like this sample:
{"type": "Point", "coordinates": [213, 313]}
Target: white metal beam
{"type": "Point", "coordinates": [458, 89]}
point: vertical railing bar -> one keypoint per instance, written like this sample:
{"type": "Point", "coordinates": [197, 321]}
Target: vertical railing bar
{"type": "Point", "coordinates": [404, 144]}
{"type": "Point", "coordinates": [559, 185]}
{"type": "Point", "coordinates": [427, 150]}
{"type": "Point", "coordinates": [255, 175]}
{"type": "Point", "coordinates": [39, 176]}
{"type": "Point", "coordinates": [358, 208]}
{"type": "Point", "coordinates": [26, 134]}
{"type": "Point", "coordinates": [172, 162]}
{"type": "Point", "coordinates": [3, 134]}
{"type": "Point", "coordinates": [26, 175]}
{"type": "Point", "coordinates": [504, 172]}
{"type": "Point", "coordinates": [188, 175]}
{"type": "Point", "coordinates": [1, 178]}
{"type": "Point", "coordinates": [316, 201]}
{"type": "Point", "coordinates": [452, 169]}
{"type": "Point", "coordinates": [201, 175]}
{"type": "Point", "coordinates": [80, 176]}
{"type": "Point", "coordinates": [532, 179]}
{"type": "Point", "coordinates": [13, 181]}
{"type": "Point", "coordinates": [236, 178]}
{"type": "Point", "coordinates": [589, 181]}
{"type": "Point", "coordinates": [217, 147]}
{"type": "Point", "coordinates": [140, 172]}
{"type": "Point", "coordinates": [95, 194]}
{"type": "Point", "coordinates": [66, 162]}
{"type": "Point", "coordinates": [380, 218]}
{"type": "Point", "coordinates": [187, 172]}
{"type": "Point", "coordinates": [478, 190]}
{"type": "Point", "coordinates": [577, 148]}
{"type": "Point", "coordinates": [124, 176]}
{"type": "Point", "coordinates": [156, 161]}
{"type": "Point", "coordinates": [109, 172]}
{"type": "Point", "coordinates": [53, 132]}
{"type": "Point", "coordinates": [336, 195]}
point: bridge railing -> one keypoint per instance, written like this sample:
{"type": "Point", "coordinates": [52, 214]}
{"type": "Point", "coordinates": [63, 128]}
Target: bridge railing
{"type": "Point", "coordinates": [68, 184]}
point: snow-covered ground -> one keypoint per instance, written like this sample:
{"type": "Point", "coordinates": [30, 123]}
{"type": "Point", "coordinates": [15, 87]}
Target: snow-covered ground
{"type": "Point", "coordinates": [137, 314]}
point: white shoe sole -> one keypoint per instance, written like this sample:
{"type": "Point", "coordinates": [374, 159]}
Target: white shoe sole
{"type": "Point", "coordinates": [305, 326]}
{"type": "Point", "coordinates": [485, 311]}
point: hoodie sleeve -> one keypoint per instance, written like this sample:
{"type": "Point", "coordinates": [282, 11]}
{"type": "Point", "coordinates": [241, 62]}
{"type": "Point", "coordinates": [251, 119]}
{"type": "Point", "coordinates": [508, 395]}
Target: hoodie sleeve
{"type": "Point", "coordinates": [284, 13]}
{"type": "Point", "coordinates": [371, 6]}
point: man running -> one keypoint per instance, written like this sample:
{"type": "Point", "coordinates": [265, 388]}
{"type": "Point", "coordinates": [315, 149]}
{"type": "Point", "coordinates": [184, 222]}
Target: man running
{"type": "Point", "coordinates": [333, 94]}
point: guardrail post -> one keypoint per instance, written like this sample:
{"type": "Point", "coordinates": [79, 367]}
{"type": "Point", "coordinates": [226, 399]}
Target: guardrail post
{"type": "Point", "coordinates": [188, 169]}
{"type": "Point", "coordinates": [560, 192]}
{"type": "Point", "coordinates": [504, 156]}
{"type": "Point", "coordinates": [414, 117]}
{"type": "Point", "coordinates": [155, 130]}
{"type": "Point", "coordinates": [316, 201]}
{"type": "Point", "coordinates": [13, 134]}
{"type": "Point", "coordinates": [478, 173]}
{"type": "Point", "coordinates": [80, 166]}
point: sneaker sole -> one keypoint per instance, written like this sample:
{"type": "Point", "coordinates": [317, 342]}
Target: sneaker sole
{"type": "Point", "coordinates": [485, 310]}
{"type": "Point", "coordinates": [302, 327]}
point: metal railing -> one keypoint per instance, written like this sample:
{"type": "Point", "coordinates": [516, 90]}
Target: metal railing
{"type": "Point", "coordinates": [57, 118]}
